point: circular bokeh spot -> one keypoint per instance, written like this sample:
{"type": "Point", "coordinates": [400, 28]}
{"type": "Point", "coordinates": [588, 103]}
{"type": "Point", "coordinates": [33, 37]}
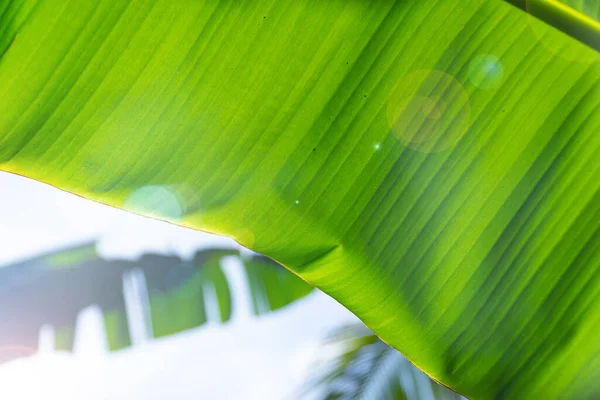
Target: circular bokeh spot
{"type": "Point", "coordinates": [486, 71]}
{"type": "Point", "coordinates": [157, 201]}
{"type": "Point", "coordinates": [428, 111]}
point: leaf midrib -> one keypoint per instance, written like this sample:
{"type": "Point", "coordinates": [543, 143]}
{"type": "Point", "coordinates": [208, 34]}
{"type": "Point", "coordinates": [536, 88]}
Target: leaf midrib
{"type": "Point", "coordinates": [564, 18]}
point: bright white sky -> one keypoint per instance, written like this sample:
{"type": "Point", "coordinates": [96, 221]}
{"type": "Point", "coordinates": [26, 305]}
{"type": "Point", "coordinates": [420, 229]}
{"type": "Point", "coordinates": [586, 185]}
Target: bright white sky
{"type": "Point", "coordinates": [263, 359]}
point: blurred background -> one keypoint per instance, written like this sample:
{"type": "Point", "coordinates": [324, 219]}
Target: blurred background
{"type": "Point", "coordinates": [98, 303]}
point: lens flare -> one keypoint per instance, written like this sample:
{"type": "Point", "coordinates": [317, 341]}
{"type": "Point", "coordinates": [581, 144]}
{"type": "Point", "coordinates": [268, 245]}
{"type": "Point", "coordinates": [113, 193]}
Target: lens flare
{"type": "Point", "coordinates": [158, 201]}
{"type": "Point", "coordinates": [13, 352]}
{"type": "Point", "coordinates": [486, 71]}
{"type": "Point", "coordinates": [428, 111]}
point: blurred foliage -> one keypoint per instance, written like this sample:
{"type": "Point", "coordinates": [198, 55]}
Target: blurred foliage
{"type": "Point", "coordinates": [357, 365]}
{"type": "Point", "coordinates": [53, 288]}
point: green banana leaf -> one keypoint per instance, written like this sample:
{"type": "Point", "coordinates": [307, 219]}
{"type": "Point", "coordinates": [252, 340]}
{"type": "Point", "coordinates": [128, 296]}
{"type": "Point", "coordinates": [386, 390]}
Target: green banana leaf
{"type": "Point", "coordinates": [53, 288]}
{"type": "Point", "coordinates": [432, 165]}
